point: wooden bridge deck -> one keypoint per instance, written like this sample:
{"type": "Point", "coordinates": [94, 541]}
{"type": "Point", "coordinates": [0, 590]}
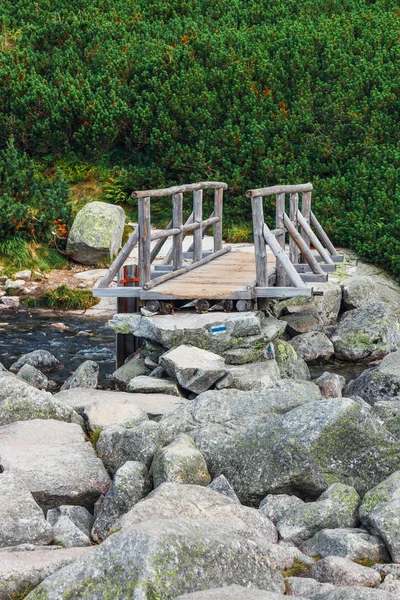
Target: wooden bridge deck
{"type": "Point", "coordinates": [230, 276]}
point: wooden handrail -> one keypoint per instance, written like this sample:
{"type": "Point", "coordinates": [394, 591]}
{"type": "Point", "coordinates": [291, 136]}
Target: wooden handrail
{"type": "Point", "coordinates": [279, 189]}
{"type": "Point", "coordinates": [178, 189]}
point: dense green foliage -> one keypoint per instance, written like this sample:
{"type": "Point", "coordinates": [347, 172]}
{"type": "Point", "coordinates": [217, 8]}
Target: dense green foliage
{"type": "Point", "coordinates": [31, 205]}
{"type": "Point", "coordinates": [247, 91]}
{"type": "Point", "coordinates": [63, 298]}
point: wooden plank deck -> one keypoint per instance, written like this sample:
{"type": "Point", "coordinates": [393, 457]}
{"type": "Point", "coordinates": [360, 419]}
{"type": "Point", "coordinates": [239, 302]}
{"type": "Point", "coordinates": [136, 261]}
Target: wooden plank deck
{"type": "Point", "coordinates": [232, 275]}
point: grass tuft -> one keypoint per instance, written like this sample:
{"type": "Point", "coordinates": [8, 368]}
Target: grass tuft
{"type": "Point", "coordinates": [298, 568]}
{"type": "Point", "coordinates": [63, 298]}
{"type": "Point", "coordinates": [94, 436]}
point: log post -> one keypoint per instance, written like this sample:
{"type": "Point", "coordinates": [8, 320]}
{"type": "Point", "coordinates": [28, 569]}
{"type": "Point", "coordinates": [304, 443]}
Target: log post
{"type": "Point", "coordinates": [280, 211]}
{"type": "Point", "coordinates": [177, 243]}
{"type": "Point", "coordinates": [218, 203]}
{"type": "Point", "coordinates": [198, 218]}
{"type": "Point", "coordinates": [259, 247]}
{"type": "Point", "coordinates": [294, 252]}
{"type": "Point", "coordinates": [306, 212]}
{"type": "Point", "coordinates": [144, 240]}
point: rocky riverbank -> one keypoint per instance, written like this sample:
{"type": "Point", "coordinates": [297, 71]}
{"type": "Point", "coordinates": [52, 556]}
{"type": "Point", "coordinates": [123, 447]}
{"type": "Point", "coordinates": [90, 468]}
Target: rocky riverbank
{"type": "Point", "coordinates": [219, 469]}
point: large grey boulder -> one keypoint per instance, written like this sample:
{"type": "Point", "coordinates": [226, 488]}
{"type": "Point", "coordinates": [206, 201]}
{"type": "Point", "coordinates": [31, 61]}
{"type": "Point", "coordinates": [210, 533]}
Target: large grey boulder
{"type": "Point", "coordinates": [389, 412]}
{"type": "Point", "coordinates": [22, 520]}
{"type": "Point", "coordinates": [22, 570]}
{"type": "Point", "coordinates": [131, 483]}
{"type": "Point", "coordinates": [19, 401]}
{"type": "Point", "coordinates": [238, 337]}
{"type": "Point", "coordinates": [380, 512]}
{"type": "Point", "coordinates": [341, 572]}
{"type": "Point", "coordinates": [96, 233]}
{"type": "Point", "coordinates": [180, 462]}
{"type": "Point", "coordinates": [55, 461]}
{"type": "Point", "coordinates": [291, 365]}
{"type": "Point", "coordinates": [379, 383]}
{"type": "Point", "coordinates": [155, 405]}
{"type": "Point", "coordinates": [325, 307]}
{"type": "Point", "coordinates": [236, 408]}
{"type": "Point", "coordinates": [117, 444]}
{"type": "Point", "coordinates": [354, 544]}
{"type": "Point", "coordinates": [302, 322]}
{"type": "Point", "coordinates": [40, 359]}
{"type": "Point", "coordinates": [297, 520]}
{"type": "Point", "coordinates": [163, 559]}
{"type": "Point", "coordinates": [33, 376]}
{"type": "Point", "coordinates": [363, 289]}
{"type": "Point", "coordinates": [195, 369]}
{"type": "Point", "coordinates": [303, 450]}
{"type": "Point", "coordinates": [367, 333]}
{"type": "Point", "coordinates": [313, 346]}
{"type": "Point", "coordinates": [85, 376]}
{"type": "Point", "coordinates": [257, 376]}
{"type": "Point", "coordinates": [305, 587]}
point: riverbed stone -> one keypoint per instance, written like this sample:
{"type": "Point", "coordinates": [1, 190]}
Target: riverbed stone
{"type": "Point", "coordinates": [22, 519]}
{"type": "Point", "coordinates": [363, 289]}
{"type": "Point", "coordinates": [379, 383]}
{"type": "Point", "coordinates": [19, 401]}
{"type": "Point", "coordinates": [221, 485]}
{"type": "Point", "coordinates": [367, 333]}
{"type": "Point", "coordinates": [40, 359]}
{"type": "Point", "coordinates": [350, 543]}
{"type": "Point", "coordinates": [151, 385]}
{"type": "Point", "coordinates": [195, 369]}
{"type": "Point", "coordinates": [155, 405]}
{"type": "Point", "coordinates": [56, 463]}
{"type": "Point", "coordinates": [96, 233]}
{"type": "Point", "coordinates": [331, 385]}
{"type": "Point", "coordinates": [291, 365]}
{"type": "Point", "coordinates": [305, 449]}
{"type": "Point", "coordinates": [117, 444]}
{"type": "Point", "coordinates": [131, 483]}
{"type": "Point", "coordinates": [134, 366]}
{"type": "Point", "coordinates": [297, 520]}
{"type": "Point", "coordinates": [85, 376]}
{"type": "Point", "coordinates": [117, 412]}
{"type": "Point", "coordinates": [341, 572]}
{"type": "Point", "coordinates": [21, 571]}
{"type": "Point", "coordinates": [33, 376]}
{"type": "Point", "coordinates": [380, 512]}
{"type": "Point", "coordinates": [180, 462]}
{"type": "Point", "coordinates": [313, 346]}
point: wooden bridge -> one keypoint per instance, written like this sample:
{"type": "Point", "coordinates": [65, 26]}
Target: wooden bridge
{"type": "Point", "coordinates": [234, 278]}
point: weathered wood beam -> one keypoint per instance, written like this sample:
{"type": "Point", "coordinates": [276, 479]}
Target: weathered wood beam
{"type": "Point", "coordinates": [280, 211]}
{"type": "Point", "coordinates": [198, 220]}
{"type": "Point", "coordinates": [259, 241]}
{"type": "Point", "coordinates": [180, 189]}
{"type": "Point", "coordinates": [169, 254]}
{"type": "Point", "coordinates": [279, 189]}
{"type": "Point", "coordinates": [156, 250]}
{"type": "Point", "coordinates": [144, 240]}
{"type": "Point", "coordinates": [294, 250]}
{"type": "Point", "coordinates": [218, 203]}
{"type": "Point", "coordinates": [312, 277]}
{"type": "Point", "coordinates": [305, 268]}
{"type": "Point", "coordinates": [177, 242]}
{"type": "Point", "coordinates": [281, 257]}
{"type": "Point", "coordinates": [120, 259]}
{"type": "Point", "coordinates": [309, 256]}
{"type": "Point", "coordinates": [314, 240]}
{"type": "Point", "coordinates": [117, 292]}
{"type": "Point", "coordinates": [282, 292]}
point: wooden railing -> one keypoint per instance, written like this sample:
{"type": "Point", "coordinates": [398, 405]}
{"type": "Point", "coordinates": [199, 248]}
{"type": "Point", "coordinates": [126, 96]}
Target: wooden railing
{"type": "Point", "coordinates": [290, 265]}
{"type": "Point", "coordinates": [143, 235]}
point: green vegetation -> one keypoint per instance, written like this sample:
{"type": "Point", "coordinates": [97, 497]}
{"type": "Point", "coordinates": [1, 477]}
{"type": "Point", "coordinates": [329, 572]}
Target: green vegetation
{"type": "Point", "coordinates": [132, 94]}
{"type": "Point", "coordinates": [297, 569]}
{"type": "Point", "coordinates": [63, 298]}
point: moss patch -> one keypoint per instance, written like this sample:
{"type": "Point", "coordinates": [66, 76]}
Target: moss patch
{"type": "Point", "coordinates": [63, 298]}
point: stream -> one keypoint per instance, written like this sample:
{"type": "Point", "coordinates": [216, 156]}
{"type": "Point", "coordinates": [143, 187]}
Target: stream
{"type": "Point", "coordinates": [72, 339]}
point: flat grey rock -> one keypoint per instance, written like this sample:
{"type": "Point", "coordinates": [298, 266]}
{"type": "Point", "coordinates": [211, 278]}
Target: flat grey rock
{"type": "Point", "coordinates": [354, 544]}
{"type": "Point", "coordinates": [22, 520]}
{"type": "Point", "coordinates": [363, 289]}
{"type": "Point", "coordinates": [40, 359]}
{"type": "Point", "coordinates": [356, 593]}
{"type": "Point", "coordinates": [341, 572]}
{"type": "Point", "coordinates": [180, 462]}
{"type": "Point", "coordinates": [232, 592]}
{"type": "Point", "coordinates": [151, 385]}
{"type": "Point", "coordinates": [134, 366]}
{"type": "Point", "coordinates": [313, 346]}
{"type": "Point", "coordinates": [55, 461]}
{"type": "Point", "coordinates": [120, 411]}
{"type": "Point", "coordinates": [155, 405]}
{"type": "Point", "coordinates": [256, 376]}
{"type": "Point", "coordinates": [307, 587]}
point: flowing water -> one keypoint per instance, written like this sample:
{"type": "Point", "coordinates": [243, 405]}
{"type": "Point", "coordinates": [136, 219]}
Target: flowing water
{"type": "Point", "coordinates": [70, 338]}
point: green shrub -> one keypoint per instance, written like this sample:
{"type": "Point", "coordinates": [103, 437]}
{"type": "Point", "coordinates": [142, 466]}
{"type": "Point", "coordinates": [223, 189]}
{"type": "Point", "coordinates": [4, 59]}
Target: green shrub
{"type": "Point", "coordinates": [63, 298]}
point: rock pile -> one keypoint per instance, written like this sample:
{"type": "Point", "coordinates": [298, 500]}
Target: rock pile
{"type": "Point", "coordinates": [221, 471]}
